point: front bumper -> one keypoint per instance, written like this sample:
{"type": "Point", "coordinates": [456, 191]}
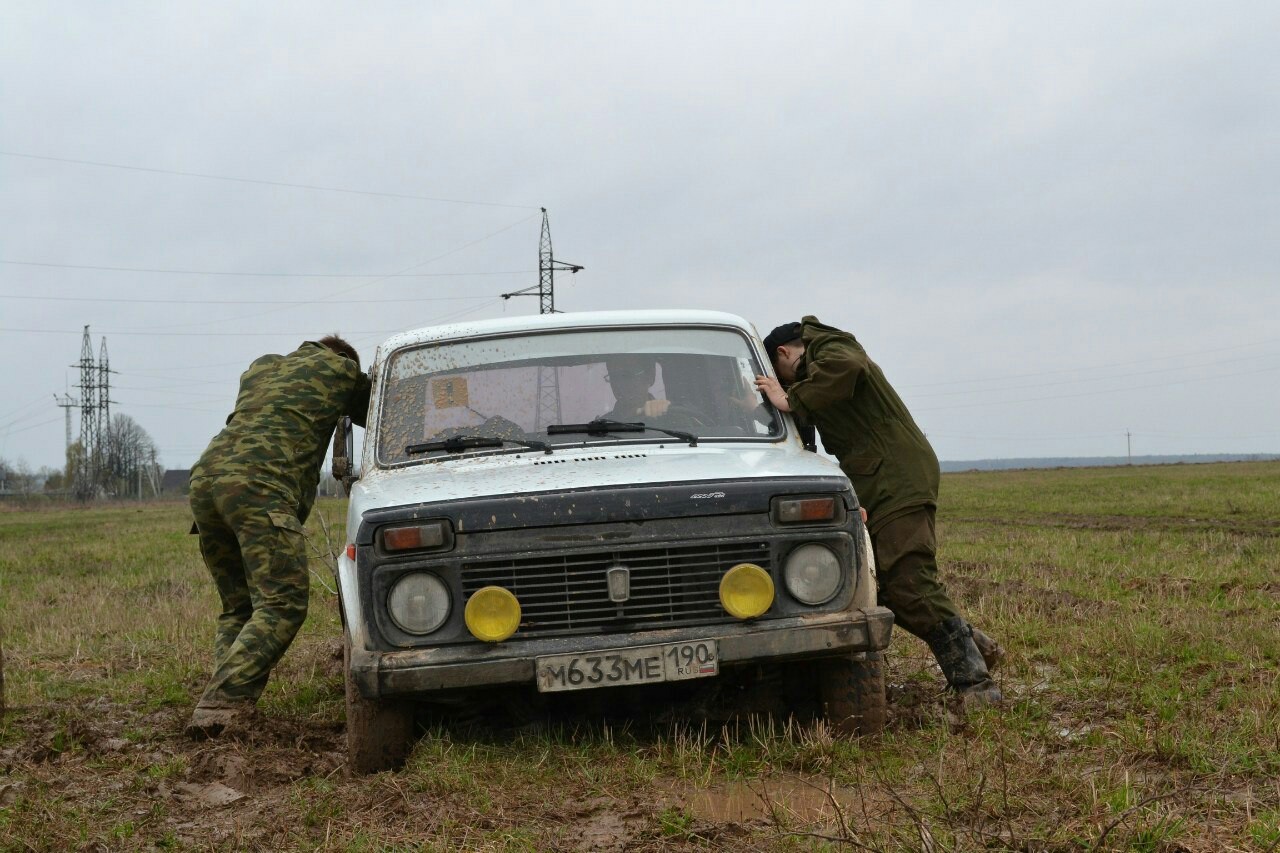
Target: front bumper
{"type": "Point", "coordinates": [421, 672]}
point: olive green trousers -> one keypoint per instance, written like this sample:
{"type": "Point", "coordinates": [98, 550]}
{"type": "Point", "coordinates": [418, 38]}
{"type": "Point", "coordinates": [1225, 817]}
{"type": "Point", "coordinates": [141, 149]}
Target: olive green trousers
{"type": "Point", "coordinates": [253, 546]}
{"type": "Point", "coordinates": [907, 571]}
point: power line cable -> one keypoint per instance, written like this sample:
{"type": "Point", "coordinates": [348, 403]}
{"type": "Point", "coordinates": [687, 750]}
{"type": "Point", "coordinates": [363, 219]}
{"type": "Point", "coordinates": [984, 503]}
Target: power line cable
{"type": "Point", "coordinates": [127, 333]}
{"type": "Point", "coordinates": [179, 408]}
{"type": "Point", "coordinates": [240, 274]}
{"type": "Point", "coordinates": [261, 182]}
{"type": "Point", "coordinates": [464, 246]}
{"type": "Point", "coordinates": [1162, 434]}
{"type": "Point", "coordinates": [34, 413]}
{"type": "Point", "coordinates": [169, 389]}
{"type": "Point", "coordinates": [324, 299]}
{"type": "Point", "coordinates": [293, 302]}
{"type": "Point", "coordinates": [1101, 391]}
{"type": "Point", "coordinates": [457, 315]}
{"type": "Point", "coordinates": [1102, 366]}
{"type": "Point", "coordinates": [1090, 379]}
{"type": "Point", "coordinates": [144, 370]}
{"type": "Point", "coordinates": [33, 426]}
{"type": "Point", "coordinates": [41, 399]}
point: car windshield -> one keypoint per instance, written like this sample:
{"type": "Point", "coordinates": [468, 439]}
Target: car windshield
{"type": "Point", "coordinates": [551, 387]}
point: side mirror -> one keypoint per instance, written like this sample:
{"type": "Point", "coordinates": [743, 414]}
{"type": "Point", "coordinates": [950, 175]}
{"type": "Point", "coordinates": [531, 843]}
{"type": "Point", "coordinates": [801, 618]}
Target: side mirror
{"type": "Point", "coordinates": [809, 435]}
{"type": "Point", "coordinates": [343, 450]}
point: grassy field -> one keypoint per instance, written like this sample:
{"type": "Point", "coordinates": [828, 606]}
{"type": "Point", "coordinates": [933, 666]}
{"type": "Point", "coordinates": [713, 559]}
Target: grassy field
{"type": "Point", "coordinates": [1140, 607]}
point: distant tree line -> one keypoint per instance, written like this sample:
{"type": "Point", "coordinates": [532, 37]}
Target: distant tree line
{"type": "Point", "coordinates": [20, 479]}
{"type": "Point", "coordinates": [128, 466]}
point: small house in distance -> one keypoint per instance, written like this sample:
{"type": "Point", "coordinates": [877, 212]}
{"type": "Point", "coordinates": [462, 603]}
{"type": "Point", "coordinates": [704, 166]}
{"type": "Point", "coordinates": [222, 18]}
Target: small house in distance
{"type": "Point", "coordinates": [176, 481]}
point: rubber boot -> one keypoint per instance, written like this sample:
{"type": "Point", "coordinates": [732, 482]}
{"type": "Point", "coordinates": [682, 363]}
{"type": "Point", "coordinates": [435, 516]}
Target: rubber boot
{"type": "Point", "coordinates": [210, 721]}
{"type": "Point", "coordinates": [952, 643]}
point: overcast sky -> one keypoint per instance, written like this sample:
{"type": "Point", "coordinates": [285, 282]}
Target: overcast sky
{"type": "Point", "coordinates": [1049, 223]}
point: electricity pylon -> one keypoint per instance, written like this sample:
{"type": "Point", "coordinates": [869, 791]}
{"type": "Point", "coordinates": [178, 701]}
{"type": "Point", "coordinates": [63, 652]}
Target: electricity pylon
{"type": "Point", "coordinates": [90, 436]}
{"type": "Point", "coordinates": [548, 380]}
{"type": "Point", "coordinates": [547, 266]}
{"type": "Point", "coordinates": [95, 417]}
{"type": "Point", "coordinates": [66, 401]}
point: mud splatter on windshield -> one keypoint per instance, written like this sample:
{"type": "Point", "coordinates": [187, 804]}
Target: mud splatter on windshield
{"type": "Point", "coordinates": [694, 380]}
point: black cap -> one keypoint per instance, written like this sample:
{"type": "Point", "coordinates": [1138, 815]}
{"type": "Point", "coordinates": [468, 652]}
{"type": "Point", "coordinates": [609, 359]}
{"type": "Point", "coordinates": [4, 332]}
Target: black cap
{"type": "Point", "coordinates": [784, 334]}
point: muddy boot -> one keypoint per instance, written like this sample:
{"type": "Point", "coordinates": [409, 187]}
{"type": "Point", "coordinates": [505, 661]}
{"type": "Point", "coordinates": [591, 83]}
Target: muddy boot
{"type": "Point", "coordinates": [991, 651]}
{"type": "Point", "coordinates": [952, 643]}
{"type": "Point", "coordinates": [210, 721]}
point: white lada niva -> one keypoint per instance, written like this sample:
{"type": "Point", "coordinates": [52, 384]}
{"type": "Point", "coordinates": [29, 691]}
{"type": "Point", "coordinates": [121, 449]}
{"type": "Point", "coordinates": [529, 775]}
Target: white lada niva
{"type": "Point", "coordinates": [600, 501]}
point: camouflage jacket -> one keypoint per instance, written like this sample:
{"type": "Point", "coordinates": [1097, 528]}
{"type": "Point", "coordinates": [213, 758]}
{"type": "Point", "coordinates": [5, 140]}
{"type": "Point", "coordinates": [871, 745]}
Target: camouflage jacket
{"type": "Point", "coordinates": [285, 414]}
{"type": "Point", "coordinates": [863, 423]}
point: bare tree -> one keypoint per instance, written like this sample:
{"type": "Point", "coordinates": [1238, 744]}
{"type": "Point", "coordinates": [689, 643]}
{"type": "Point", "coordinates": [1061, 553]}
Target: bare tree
{"type": "Point", "coordinates": [52, 478]}
{"type": "Point", "coordinates": [132, 463]}
{"type": "Point", "coordinates": [17, 479]}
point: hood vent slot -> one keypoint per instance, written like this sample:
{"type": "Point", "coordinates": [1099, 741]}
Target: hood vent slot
{"type": "Point", "coordinates": [592, 458]}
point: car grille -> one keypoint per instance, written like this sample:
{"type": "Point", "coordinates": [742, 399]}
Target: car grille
{"type": "Point", "coordinates": [568, 593]}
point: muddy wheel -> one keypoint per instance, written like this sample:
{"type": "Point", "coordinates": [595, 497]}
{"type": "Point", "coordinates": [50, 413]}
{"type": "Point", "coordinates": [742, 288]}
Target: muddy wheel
{"type": "Point", "coordinates": [852, 690]}
{"type": "Point", "coordinates": [379, 731]}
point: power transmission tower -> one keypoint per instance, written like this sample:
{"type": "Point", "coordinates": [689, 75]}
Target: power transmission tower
{"type": "Point", "coordinates": [104, 388]}
{"type": "Point", "coordinates": [548, 380]}
{"type": "Point", "coordinates": [95, 417]}
{"type": "Point", "coordinates": [67, 402]}
{"type": "Point", "coordinates": [545, 289]}
{"type": "Point", "coordinates": [87, 470]}
{"type": "Point", "coordinates": [107, 457]}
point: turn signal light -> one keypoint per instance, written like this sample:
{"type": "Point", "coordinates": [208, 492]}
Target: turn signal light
{"type": "Point", "coordinates": [796, 510]}
{"type": "Point", "coordinates": [417, 537]}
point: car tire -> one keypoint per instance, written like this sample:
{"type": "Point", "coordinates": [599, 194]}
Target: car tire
{"type": "Point", "coordinates": [379, 731]}
{"type": "Point", "coordinates": [852, 692]}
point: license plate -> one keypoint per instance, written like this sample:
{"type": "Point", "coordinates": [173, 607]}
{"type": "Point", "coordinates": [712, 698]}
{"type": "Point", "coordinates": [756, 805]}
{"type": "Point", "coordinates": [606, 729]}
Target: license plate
{"type": "Point", "coordinates": [638, 665]}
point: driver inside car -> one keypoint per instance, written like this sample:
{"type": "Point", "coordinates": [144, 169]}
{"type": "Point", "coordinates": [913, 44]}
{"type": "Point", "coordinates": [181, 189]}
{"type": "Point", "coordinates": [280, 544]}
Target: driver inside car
{"type": "Point", "coordinates": [630, 377]}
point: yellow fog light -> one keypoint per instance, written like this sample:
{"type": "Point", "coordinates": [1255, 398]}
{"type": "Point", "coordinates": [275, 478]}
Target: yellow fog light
{"type": "Point", "coordinates": [746, 591]}
{"type": "Point", "coordinates": [492, 614]}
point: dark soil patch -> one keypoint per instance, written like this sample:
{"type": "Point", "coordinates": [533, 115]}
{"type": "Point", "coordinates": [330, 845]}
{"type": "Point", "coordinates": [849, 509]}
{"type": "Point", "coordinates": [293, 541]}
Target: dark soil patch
{"type": "Point", "coordinates": [125, 776]}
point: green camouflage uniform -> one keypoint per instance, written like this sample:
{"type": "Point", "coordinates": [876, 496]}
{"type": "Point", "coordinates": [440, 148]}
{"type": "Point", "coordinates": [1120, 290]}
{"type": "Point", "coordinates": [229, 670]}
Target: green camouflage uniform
{"type": "Point", "coordinates": [251, 491]}
{"type": "Point", "coordinates": [865, 425]}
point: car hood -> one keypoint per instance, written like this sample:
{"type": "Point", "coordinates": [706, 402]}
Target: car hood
{"type": "Point", "coordinates": [582, 468]}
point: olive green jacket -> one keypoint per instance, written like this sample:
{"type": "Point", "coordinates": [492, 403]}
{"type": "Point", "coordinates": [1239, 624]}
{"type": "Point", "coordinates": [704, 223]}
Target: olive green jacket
{"type": "Point", "coordinates": [863, 423]}
{"type": "Point", "coordinates": [285, 414]}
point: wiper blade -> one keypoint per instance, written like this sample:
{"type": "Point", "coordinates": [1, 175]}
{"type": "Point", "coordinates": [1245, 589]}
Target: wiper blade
{"type": "Point", "coordinates": [459, 443]}
{"type": "Point", "coordinates": [602, 426]}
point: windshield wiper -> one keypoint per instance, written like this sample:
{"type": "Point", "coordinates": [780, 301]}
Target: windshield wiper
{"type": "Point", "coordinates": [459, 443]}
{"type": "Point", "coordinates": [601, 426]}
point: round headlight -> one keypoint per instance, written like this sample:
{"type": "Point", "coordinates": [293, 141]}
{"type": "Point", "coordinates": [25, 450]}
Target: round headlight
{"type": "Point", "coordinates": [492, 614]}
{"type": "Point", "coordinates": [812, 574]}
{"type": "Point", "coordinates": [419, 603]}
{"type": "Point", "coordinates": [746, 591]}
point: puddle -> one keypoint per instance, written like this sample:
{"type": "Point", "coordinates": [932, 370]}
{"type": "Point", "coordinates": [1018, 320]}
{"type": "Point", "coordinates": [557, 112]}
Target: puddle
{"type": "Point", "coordinates": [1047, 675]}
{"type": "Point", "coordinates": [787, 801]}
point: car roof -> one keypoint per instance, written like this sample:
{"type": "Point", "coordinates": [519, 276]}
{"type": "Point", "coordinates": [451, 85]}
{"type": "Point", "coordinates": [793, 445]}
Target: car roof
{"type": "Point", "coordinates": [572, 320]}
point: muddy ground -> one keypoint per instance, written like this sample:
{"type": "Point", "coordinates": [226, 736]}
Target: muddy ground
{"type": "Point", "coordinates": [98, 775]}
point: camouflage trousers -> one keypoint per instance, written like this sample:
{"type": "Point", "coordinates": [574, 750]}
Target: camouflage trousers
{"type": "Point", "coordinates": [907, 571]}
{"type": "Point", "coordinates": [253, 546]}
